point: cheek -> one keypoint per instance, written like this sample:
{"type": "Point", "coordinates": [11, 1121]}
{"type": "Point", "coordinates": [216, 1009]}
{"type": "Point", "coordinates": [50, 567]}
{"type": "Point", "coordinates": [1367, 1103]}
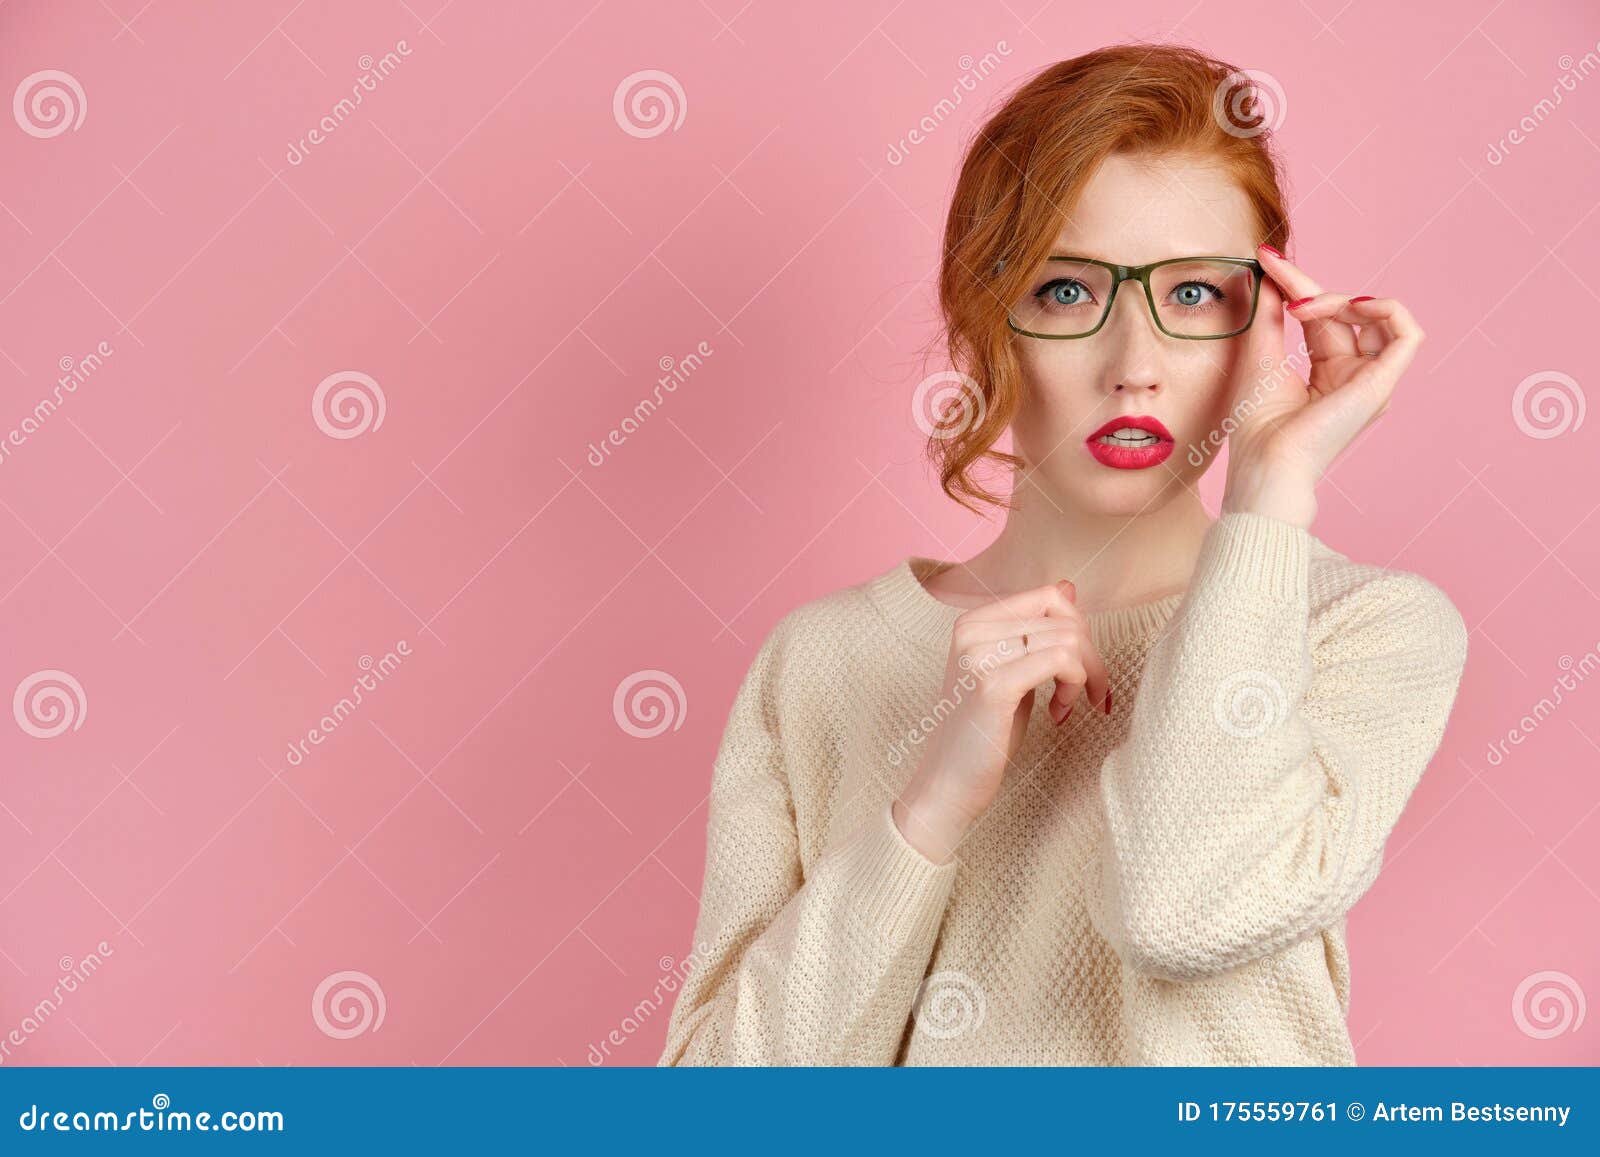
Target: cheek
{"type": "Point", "coordinates": [1055, 390]}
{"type": "Point", "coordinates": [1199, 390]}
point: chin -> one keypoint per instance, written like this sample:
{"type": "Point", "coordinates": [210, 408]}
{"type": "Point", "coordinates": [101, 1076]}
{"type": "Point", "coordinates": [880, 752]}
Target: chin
{"type": "Point", "coordinates": [1110, 493]}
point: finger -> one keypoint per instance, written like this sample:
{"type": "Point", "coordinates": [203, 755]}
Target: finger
{"type": "Point", "coordinates": [1324, 339]}
{"type": "Point", "coordinates": [1053, 597]}
{"type": "Point", "coordinates": [1075, 675]}
{"type": "Point", "coordinates": [1328, 332]}
{"type": "Point", "coordinates": [1388, 312]}
{"type": "Point", "coordinates": [971, 633]}
{"type": "Point", "coordinates": [1002, 642]}
{"type": "Point", "coordinates": [1394, 340]}
{"type": "Point", "coordinates": [1263, 354]}
{"type": "Point", "coordinates": [1062, 664]}
{"type": "Point", "coordinates": [985, 657]}
{"type": "Point", "coordinates": [1099, 682]}
{"type": "Point", "coordinates": [1373, 332]}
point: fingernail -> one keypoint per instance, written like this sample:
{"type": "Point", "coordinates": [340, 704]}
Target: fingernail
{"type": "Point", "coordinates": [1108, 701]}
{"type": "Point", "coordinates": [1270, 250]}
{"type": "Point", "coordinates": [1298, 303]}
{"type": "Point", "coordinates": [1064, 715]}
{"type": "Point", "coordinates": [1363, 297]}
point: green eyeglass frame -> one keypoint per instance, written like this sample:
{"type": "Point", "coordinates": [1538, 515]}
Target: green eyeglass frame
{"type": "Point", "coordinates": [1141, 274]}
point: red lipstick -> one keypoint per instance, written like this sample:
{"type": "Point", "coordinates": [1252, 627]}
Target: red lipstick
{"type": "Point", "coordinates": [1131, 442]}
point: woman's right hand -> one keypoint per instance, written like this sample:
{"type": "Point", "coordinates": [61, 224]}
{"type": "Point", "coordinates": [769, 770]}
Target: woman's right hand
{"type": "Point", "coordinates": [999, 654]}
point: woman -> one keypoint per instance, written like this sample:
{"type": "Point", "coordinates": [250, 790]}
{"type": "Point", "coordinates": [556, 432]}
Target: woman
{"type": "Point", "coordinates": [1103, 793]}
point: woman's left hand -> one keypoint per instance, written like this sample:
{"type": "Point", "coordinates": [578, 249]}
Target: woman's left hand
{"type": "Point", "coordinates": [1295, 429]}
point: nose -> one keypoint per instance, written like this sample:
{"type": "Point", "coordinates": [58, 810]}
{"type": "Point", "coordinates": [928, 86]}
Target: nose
{"type": "Point", "coordinates": [1136, 361]}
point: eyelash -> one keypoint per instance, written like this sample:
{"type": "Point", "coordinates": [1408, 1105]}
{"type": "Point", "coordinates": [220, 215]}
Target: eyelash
{"type": "Point", "coordinates": [1049, 286]}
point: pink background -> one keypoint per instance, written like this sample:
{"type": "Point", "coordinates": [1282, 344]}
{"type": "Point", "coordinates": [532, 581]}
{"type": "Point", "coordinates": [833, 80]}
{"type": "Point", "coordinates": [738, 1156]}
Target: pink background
{"type": "Point", "coordinates": [481, 237]}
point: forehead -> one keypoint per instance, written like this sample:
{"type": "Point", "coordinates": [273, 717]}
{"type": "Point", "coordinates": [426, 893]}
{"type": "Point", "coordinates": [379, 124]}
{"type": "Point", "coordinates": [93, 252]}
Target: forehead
{"type": "Point", "coordinates": [1137, 209]}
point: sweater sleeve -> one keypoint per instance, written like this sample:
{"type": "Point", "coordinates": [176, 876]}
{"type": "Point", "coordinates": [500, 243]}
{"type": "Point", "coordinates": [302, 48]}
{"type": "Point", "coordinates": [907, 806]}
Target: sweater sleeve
{"type": "Point", "coordinates": [1268, 757]}
{"type": "Point", "coordinates": [792, 966]}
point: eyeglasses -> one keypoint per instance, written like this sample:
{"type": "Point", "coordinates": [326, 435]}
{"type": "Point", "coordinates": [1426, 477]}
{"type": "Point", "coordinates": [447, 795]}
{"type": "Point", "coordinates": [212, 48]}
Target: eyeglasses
{"type": "Point", "coordinates": [1195, 298]}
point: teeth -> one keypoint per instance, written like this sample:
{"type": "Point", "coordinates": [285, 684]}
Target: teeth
{"type": "Point", "coordinates": [1127, 436]}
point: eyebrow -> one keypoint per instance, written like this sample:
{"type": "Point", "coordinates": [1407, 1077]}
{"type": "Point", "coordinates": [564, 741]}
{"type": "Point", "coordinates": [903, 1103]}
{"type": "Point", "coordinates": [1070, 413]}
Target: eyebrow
{"type": "Point", "coordinates": [1174, 257]}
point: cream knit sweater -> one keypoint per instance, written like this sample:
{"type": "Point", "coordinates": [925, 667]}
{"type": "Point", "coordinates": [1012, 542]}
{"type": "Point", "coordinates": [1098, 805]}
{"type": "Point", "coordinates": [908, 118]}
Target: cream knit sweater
{"type": "Point", "coordinates": [1166, 885]}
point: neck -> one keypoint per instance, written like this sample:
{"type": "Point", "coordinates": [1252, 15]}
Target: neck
{"type": "Point", "coordinates": [1113, 560]}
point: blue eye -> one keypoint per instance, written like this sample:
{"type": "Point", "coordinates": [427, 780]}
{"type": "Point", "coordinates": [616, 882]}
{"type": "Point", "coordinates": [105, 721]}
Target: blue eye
{"type": "Point", "coordinates": [1190, 293]}
{"type": "Point", "coordinates": [1064, 292]}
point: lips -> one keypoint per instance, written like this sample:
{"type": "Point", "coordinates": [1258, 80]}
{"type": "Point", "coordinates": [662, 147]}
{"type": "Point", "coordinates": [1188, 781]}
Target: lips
{"type": "Point", "coordinates": [1131, 442]}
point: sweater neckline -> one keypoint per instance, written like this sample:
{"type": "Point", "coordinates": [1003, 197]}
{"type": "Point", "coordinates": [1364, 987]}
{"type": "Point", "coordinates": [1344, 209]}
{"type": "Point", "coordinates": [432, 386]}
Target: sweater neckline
{"type": "Point", "coordinates": [928, 621]}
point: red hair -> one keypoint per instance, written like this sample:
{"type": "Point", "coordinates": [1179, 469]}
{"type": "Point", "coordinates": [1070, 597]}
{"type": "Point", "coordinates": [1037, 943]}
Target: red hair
{"type": "Point", "coordinates": [1021, 177]}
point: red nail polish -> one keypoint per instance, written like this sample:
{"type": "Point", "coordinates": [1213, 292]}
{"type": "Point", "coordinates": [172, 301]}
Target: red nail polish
{"type": "Point", "coordinates": [1272, 251]}
{"type": "Point", "coordinates": [1298, 303]}
{"type": "Point", "coordinates": [1363, 297]}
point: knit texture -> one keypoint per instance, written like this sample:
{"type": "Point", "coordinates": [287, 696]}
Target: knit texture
{"type": "Point", "coordinates": [1166, 885]}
